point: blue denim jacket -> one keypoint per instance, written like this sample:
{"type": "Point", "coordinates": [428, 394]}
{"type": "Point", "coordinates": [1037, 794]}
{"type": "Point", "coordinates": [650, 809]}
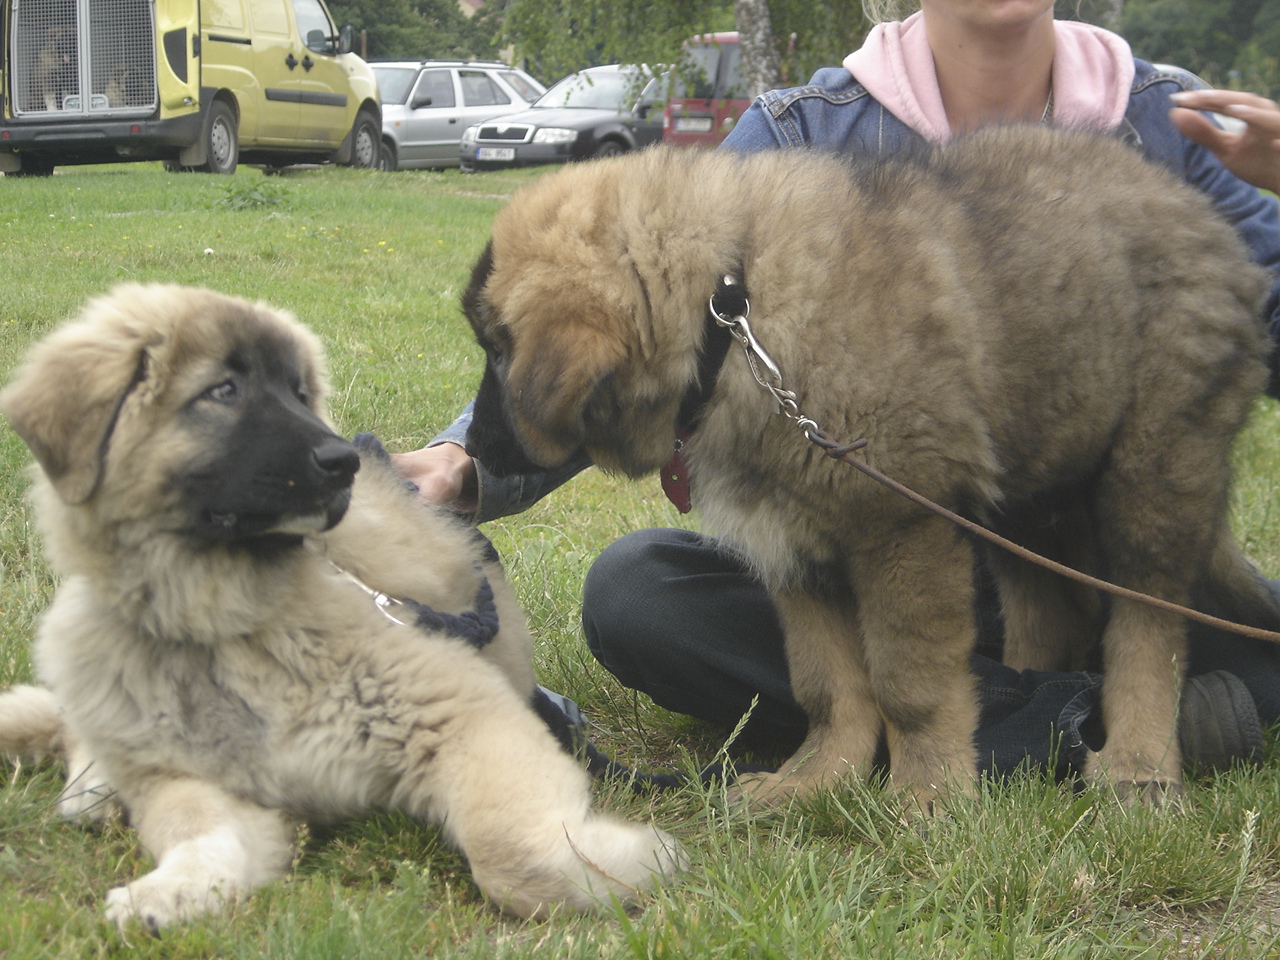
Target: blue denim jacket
{"type": "Point", "coordinates": [834, 111]}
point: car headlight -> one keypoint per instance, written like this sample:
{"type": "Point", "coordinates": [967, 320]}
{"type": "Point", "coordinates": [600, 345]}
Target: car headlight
{"type": "Point", "coordinates": [555, 135]}
{"type": "Point", "coordinates": [470, 132]}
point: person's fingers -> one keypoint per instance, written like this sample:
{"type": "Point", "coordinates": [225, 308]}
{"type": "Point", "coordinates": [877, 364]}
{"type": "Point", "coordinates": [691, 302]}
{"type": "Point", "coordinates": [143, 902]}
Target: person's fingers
{"type": "Point", "coordinates": [1197, 127]}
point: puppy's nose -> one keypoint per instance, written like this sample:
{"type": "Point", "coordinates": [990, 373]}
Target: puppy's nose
{"type": "Point", "coordinates": [336, 459]}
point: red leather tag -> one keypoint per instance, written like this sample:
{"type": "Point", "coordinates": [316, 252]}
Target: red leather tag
{"type": "Point", "coordinates": [675, 479]}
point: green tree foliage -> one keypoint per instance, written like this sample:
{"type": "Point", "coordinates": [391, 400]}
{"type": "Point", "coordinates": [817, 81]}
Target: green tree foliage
{"type": "Point", "coordinates": [559, 36]}
{"type": "Point", "coordinates": [1228, 42]}
{"type": "Point", "coordinates": [816, 33]}
{"type": "Point", "coordinates": [415, 29]}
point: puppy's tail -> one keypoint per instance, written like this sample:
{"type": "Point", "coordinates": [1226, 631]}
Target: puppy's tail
{"type": "Point", "coordinates": [31, 724]}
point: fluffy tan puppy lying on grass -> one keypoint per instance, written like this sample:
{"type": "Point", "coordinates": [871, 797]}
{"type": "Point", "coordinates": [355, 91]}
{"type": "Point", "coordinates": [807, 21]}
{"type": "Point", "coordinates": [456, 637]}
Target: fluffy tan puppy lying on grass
{"type": "Point", "coordinates": [222, 650]}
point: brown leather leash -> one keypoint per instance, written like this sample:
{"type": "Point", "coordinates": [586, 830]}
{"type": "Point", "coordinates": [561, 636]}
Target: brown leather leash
{"type": "Point", "coordinates": [767, 374]}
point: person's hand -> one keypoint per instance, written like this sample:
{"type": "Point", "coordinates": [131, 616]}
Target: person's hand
{"type": "Point", "coordinates": [443, 474]}
{"type": "Point", "coordinates": [1253, 154]}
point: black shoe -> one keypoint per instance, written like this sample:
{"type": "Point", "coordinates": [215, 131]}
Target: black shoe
{"type": "Point", "coordinates": [1218, 723]}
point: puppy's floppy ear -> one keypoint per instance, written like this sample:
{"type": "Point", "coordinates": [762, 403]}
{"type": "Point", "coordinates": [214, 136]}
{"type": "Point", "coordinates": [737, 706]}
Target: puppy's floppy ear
{"type": "Point", "coordinates": [555, 373]}
{"type": "Point", "coordinates": [65, 399]}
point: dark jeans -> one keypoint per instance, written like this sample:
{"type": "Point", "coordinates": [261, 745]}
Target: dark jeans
{"type": "Point", "coordinates": [670, 615]}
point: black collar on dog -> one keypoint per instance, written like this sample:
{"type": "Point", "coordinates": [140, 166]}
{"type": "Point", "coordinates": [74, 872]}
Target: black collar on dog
{"type": "Point", "coordinates": [729, 300]}
{"type": "Point", "coordinates": [477, 627]}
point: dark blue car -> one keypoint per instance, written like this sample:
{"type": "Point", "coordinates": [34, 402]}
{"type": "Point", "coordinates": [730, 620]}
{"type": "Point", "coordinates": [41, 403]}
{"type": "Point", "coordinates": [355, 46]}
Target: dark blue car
{"type": "Point", "coordinates": [597, 112]}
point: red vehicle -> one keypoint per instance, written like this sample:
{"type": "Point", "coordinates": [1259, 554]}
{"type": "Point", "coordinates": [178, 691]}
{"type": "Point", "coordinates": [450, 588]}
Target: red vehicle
{"type": "Point", "coordinates": [714, 95]}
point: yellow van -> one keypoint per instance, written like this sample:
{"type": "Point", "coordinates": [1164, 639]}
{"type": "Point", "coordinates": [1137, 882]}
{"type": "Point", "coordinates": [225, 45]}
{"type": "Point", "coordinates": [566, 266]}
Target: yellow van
{"type": "Point", "coordinates": [199, 84]}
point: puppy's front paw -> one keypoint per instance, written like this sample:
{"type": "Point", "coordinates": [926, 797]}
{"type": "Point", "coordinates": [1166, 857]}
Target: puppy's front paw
{"type": "Point", "coordinates": [159, 902]}
{"type": "Point", "coordinates": [88, 797]}
{"type": "Point", "coordinates": [1136, 783]}
{"type": "Point", "coordinates": [764, 790]}
{"type": "Point", "coordinates": [611, 858]}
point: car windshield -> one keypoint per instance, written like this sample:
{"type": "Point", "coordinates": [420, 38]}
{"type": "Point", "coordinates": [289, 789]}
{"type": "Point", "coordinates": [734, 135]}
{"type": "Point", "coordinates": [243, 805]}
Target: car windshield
{"type": "Point", "coordinates": [394, 82]}
{"type": "Point", "coordinates": [592, 91]}
{"type": "Point", "coordinates": [522, 86]}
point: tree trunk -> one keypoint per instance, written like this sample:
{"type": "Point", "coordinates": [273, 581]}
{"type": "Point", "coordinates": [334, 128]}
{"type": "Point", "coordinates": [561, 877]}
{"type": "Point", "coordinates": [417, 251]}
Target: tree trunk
{"type": "Point", "coordinates": [760, 68]}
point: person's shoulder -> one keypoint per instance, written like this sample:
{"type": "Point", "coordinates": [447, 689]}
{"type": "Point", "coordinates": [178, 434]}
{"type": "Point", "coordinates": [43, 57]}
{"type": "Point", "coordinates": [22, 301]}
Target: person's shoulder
{"type": "Point", "coordinates": [1148, 75]}
{"type": "Point", "coordinates": [832, 84]}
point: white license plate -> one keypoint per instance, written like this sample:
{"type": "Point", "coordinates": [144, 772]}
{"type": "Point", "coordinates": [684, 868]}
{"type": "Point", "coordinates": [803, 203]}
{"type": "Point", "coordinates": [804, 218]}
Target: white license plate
{"type": "Point", "coordinates": [693, 124]}
{"type": "Point", "coordinates": [495, 153]}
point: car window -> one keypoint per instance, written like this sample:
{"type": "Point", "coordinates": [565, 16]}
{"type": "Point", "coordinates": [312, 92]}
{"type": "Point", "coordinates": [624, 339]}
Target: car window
{"type": "Point", "coordinates": [656, 90]}
{"type": "Point", "coordinates": [599, 91]}
{"type": "Point", "coordinates": [314, 25]}
{"type": "Point", "coordinates": [700, 67]}
{"type": "Point", "coordinates": [478, 90]}
{"type": "Point", "coordinates": [520, 85]}
{"type": "Point", "coordinates": [734, 87]}
{"type": "Point", "coordinates": [437, 86]}
{"type": "Point", "coordinates": [394, 83]}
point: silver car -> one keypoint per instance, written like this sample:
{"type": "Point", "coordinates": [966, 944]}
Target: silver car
{"type": "Point", "coordinates": [426, 104]}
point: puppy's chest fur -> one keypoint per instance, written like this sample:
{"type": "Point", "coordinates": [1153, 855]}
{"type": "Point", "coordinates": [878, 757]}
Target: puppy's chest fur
{"type": "Point", "coordinates": [242, 711]}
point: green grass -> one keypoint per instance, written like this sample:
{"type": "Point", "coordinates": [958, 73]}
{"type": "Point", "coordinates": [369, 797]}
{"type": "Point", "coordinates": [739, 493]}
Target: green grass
{"type": "Point", "coordinates": [375, 265]}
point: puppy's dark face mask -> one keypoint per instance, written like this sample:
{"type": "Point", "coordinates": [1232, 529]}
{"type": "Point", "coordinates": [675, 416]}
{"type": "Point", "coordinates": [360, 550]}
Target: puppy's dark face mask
{"type": "Point", "coordinates": [271, 465]}
{"type": "Point", "coordinates": [492, 437]}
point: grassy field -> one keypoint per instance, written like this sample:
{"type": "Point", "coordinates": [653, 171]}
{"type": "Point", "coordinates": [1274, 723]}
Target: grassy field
{"type": "Point", "coordinates": [375, 264]}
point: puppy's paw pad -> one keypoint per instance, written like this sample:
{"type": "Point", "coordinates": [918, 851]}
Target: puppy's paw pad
{"type": "Point", "coordinates": [1134, 783]}
{"type": "Point", "coordinates": [158, 904]}
{"type": "Point", "coordinates": [765, 790]}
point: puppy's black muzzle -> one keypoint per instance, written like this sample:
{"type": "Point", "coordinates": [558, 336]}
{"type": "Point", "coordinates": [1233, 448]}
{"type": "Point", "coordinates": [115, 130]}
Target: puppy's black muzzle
{"type": "Point", "coordinates": [491, 439]}
{"type": "Point", "coordinates": [280, 471]}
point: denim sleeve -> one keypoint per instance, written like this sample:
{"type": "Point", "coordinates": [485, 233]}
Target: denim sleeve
{"type": "Point", "coordinates": [754, 131]}
{"type": "Point", "coordinates": [456, 432]}
{"type": "Point", "coordinates": [504, 496]}
{"type": "Point", "coordinates": [1254, 213]}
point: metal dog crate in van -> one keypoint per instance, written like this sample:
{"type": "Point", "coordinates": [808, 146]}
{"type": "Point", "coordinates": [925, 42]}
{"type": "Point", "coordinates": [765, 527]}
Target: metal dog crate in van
{"type": "Point", "coordinates": [82, 58]}
{"type": "Point", "coordinates": [197, 84]}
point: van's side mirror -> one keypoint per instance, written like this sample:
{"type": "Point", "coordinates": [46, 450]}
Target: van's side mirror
{"type": "Point", "coordinates": [420, 100]}
{"type": "Point", "coordinates": [346, 39]}
{"type": "Point", "coordinates": [319, 41]}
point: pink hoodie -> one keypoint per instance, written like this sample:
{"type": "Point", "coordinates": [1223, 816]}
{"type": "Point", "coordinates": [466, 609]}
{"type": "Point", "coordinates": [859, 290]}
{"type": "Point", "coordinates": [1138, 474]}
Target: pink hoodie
{"type": "Point", "coordinates": [1092, 73]}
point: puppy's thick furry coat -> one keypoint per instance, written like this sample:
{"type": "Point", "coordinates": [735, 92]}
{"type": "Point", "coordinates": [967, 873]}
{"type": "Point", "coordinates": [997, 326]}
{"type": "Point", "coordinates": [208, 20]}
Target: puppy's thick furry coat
{"type": "Point", "coordinates": [213, 652]}
{"type": "Point", "coordinates": [1037, 329]}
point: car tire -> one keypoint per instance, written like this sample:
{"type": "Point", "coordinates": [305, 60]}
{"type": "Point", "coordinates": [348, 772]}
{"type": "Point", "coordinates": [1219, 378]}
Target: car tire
{"type": "Point", "coordinates": [387, 161]}
{"type": "Point", "coordinates": [34, 166]}
{"type": "Point", "coordinates": [366, 143]}
{"type": "Point", "coordinates": [221, 140]}
{"type": "Point", "coordinates": [608, 148]}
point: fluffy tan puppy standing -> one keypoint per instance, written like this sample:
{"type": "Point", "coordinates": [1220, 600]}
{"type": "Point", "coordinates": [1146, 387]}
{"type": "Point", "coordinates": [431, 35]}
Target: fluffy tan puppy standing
{"type": "Point", "coordinates": [227, 648]}
{"type": "Point", "coordinates": [1037, 329]}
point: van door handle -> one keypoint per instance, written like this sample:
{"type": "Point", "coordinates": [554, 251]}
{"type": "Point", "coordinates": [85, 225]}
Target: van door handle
{"type": "Point", "coordinates": [290, 61]}
{"type": "Point", "coordinates": [307, 63]}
